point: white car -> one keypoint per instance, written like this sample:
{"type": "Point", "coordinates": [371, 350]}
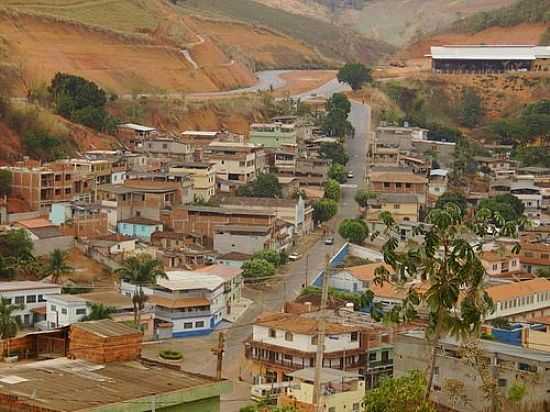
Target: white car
{"type": "Point", "coordinates": [350, 175]}
{"type": "Point", "coordinates": [294, 256]}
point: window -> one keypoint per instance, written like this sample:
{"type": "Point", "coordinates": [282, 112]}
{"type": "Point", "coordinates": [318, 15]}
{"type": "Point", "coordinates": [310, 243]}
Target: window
{"type": "Point", "coordinates": [332, 409]}
{"type": "Point", "coordinates": [356, 407]}
{"type": "Point", "coordinates": [398, 185]}
{"type": "Point", "coordinates": [436, 371]}
{"type": "Point", "coordinates": [188, 325]}
{"type": "Point", "coordinates": [408, 185]}
{"type": "Point", "coordinates": [19, 300]}
{"type": "Point", "coordinates": [31, 299]}
{"type": "Point", "coordinates": [165, 146]}
{"type": "Point", "coordinates": [199, 324]}
{"type": "Point", "coordinates": [354, 336]}
{"type": "Point", "coordinates": [63, 311]}
{"type": "Point", "coordinates": [314, 340]}
{"type": "Point", "coordinates": [81, 311]}
{"type": "Point", "coordinates": [386, 184]}
{"type": "Point", "coordinates": [502, 382]}
{"type": "Point", "coordinates": [41, 298]}
{"type": "Point", "coordinates": [396, 206]}
{"type": "Point", "coordinates": [53, 308]}
{"type": "Point", "coordinates": [372, 357]}
{"type": "Point", "coordinates": [289, 337]}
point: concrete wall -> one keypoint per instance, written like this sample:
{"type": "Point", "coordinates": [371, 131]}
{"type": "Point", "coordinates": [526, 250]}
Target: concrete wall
{"type": "Point", "coordinates": [44, 247]}
{"type": "Point", "coordinates": [249, 244]}
{"type": "Point", "coordinates": [14, 217]}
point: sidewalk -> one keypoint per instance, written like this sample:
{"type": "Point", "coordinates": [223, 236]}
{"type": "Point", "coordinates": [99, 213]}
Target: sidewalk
{"type": "Point", "coordinates": [238, 309]}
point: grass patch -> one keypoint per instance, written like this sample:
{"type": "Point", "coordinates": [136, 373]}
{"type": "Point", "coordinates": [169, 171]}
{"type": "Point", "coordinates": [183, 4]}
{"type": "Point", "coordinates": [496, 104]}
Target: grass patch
{"type": "Point", "coordinates": [169, 354]}
{"type": "Point", "coordinates": [119, 15]}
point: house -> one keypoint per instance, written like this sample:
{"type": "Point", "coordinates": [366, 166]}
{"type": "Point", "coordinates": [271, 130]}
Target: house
{"type": "Point", "coordinates": [32, 296]}
{"type": "Point", "coordinates": [100, 352]}
{"type": "Point", "coordinates": [186, 257]}
{"type": "Point", "coordinates": [273, 135]}
{"type": "Point", "coordinates": [396, 180]}
{"type": "Point", "coordinates": [139, 198]}
{"type": "Point", "coordinates": [233, 283]}
{"type": "Point", "coordinates": [341, 391]}
{"type": "Point", "coordinates": [531, 197]}
{"type": "Point", "coordinates": [404, 207]}
{"type": "Point", "coordinates": [386, 157]}
{"type": "Point", "coordinates": [80, 219]}
{"type": "Point", "coordinates": [520, 300]}
{"type": "Point", "coordinates": [289, 186]}
{"type": "Point", "coordinates": [100, 170]}
{"type": "Point", "coordinates": [510, 365]}
{"type": "Point", "coordinates": [135, 132]}
{"type": "Point", "coordinates": [45, 236]}
{"type": "Point", "coordinates": [193, 303]}
{"type": "Point", "coordinates": [395, 138]}
{"type": "Point", "coordinates": [114, 245]}
{"type": "Point", "coordinates": [66, 309]}
{"type": "Point", "coordinates": [440, 151]}
{"type": "Point", "coordinates": [202, 220]}
{"type": "Point", "coordinates": [42, 185]}
{"type": "Point", "coordinates": [312, 171]}
{"type": "Point", "coordinates": [233, 259]}
{"type": "Point", "coordinates": [236, 163]}
{"type": "Point", "coordinates": [198, 141]}
{"type": "Point", "coordinates": [285, 160]}
{"type": "Point", "coordinates": [202, 174]}
{"type": "Point", "coordinates": [242, 238]}
{"type": "Point", "coordinates": [534, 256]}
{"type": "Point", "coordinates": [294, 211]}
{"type": "Point", "coordinates": [139, 227]}
{"type": "Point", "coordinates": [165, 145]}
{"type": "Point", "coordinates": [438, 182]}
{"type": "Point", "coordinates": [497, 167]}
{"type": "Point", "coordinates": [357, 279]}
{"type": "Point", "coordinates": [284, 342]}
{"type": "Point", "coordinates": [499, 264]}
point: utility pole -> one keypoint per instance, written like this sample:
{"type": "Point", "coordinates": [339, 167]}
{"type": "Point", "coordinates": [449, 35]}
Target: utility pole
{"type": "Point", "coordinates": [219, 353]}
{"type": "Point", "coordinates": [307, 270]}
{"type": "Point", "coordinates": [321, 339]}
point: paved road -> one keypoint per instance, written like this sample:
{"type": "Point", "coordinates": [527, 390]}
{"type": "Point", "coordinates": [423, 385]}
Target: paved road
{"type": "Point", "coordinates": [196, 357]}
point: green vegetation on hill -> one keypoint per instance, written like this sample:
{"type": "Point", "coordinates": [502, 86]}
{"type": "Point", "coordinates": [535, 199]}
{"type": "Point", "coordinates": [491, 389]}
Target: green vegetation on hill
{"type": "Point", "coordinates": [333, 41]}
{"type": "Point", "coordinates": [525, 11]}
{"type": "Point", "coordinates": [131, 16]}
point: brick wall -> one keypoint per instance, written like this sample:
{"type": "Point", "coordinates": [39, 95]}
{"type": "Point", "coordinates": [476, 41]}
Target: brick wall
{"type": "Point", "coordinates": [98, 349]}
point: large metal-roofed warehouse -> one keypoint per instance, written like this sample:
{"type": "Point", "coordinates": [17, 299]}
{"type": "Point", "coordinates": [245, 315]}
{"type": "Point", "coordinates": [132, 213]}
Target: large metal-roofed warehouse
{"type": "Point", "coordinates": [489, 58]}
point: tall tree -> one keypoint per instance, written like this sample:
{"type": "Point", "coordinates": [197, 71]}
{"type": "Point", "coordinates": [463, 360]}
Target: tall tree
{"type": "Point", "coordinates": [452, 197]}
{"type": "Point", "coordinates": [324, 209]}
{"type": "Point", "coordinates": [5, 182]}
{"type": "Point", "coordinates": [334, 152]}
{"type": "Point", "coordinates": [16, 244]}
{"type": "Point", "coordinates": [355, 74]}
{"type": "Point", "coordinates": [265, 185]}
{"type": "Point", "coordinates": [141, 270]}
{"type": "Point", "coordinates": [9, 324]}
{"type": "Point", "coordinates": [337, 172]}
{"type": "Point", "coordinates": [332, 190]}
{"type": "Point", "coordinates": [353, 230]}
{"type": "Point", "coordinates": [258, 268]}
{"type": "Point", "coordinates": [362, 198]}
{"type": "Point", "coordinates": [98, 311]}
{"type": "Point", "coordinates": [339, 101]}
{"type": "Point", "coordinates": [455, 301]}
{"type": "Point", "coordinates": [57, 265]}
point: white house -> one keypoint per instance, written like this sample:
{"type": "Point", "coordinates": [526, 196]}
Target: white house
{"type": "Point", "coordinates": [32, 297]}
{"type": "Point", "coordinates": [438, 182]}
{"type": "Point", "coordinates": [192, 302]}
{"type": "Point", "coordinates": [64, 310]}
{"type": "Point", "coordinates": [521, 300]}
{"type": "Point", "coordinates": [531, 197]}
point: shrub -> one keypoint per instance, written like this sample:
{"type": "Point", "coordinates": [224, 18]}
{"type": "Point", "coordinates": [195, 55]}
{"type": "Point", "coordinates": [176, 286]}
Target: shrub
{"type": "Point", "coordinates": [169, 354]}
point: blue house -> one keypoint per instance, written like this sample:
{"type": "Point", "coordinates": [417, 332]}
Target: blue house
{"type": "Point", "coordinates": [139, 227]}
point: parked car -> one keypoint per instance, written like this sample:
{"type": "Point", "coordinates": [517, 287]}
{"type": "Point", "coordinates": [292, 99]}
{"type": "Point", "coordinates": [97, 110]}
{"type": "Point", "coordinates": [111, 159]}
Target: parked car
{"type": "Point", "coordinates": [329, 241]}
{"type": "Point", "coordinates": [294, 256]}
{"type": "Point", "coordinates": [350, 175]}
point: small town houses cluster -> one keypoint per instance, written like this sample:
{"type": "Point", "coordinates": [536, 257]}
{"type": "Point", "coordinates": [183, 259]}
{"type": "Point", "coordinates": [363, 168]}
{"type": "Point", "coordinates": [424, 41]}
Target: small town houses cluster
{"type": "Point", "coordinates": [174, 198]}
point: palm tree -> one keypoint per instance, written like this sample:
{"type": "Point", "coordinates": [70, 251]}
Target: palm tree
{"type": "Point", "coordinates": [57, 265]}
{"type": "Point", "coordinates": [98, 311]}
{"type": "Point", "coordinates": [9, 325]}
{"type": "Point", "coordinates": [141, 271]}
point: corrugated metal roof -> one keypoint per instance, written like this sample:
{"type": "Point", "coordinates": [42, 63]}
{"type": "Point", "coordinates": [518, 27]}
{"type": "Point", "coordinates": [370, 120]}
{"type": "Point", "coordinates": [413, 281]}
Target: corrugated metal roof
{"type": "Point", "coordinates": [481, 52]}
{"type": "Point", "coordinates": [106, 328]}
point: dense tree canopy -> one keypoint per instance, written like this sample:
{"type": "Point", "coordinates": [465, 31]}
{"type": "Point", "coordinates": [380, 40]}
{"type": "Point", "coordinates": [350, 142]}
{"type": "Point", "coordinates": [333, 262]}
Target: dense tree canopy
{"type": "Point", "coordinates": [16, 244]}
{"type": "Point", "coordinates": [353, 230]}
{"type": "Point", "coordinates": [339, 101]}
{"type": "Point", "coordinates": [332, 190]}
{"type": "Point", "coordinates": [256, 268]}
{"type": "Point", "coordinates": [509, 206]}
{"type": "Point", "coordinates": [334, 152]}
{"type": "Point", "coordinates": [355, 74]}
{"type": "Point", "coordinates": [337, 172]}
{"type": "Point", "coordinates": [363, 196]}
{"type": "Point", "coordinates": [324, 210]}
{"type": "Point", "coordinates": [265, 185]}
{"type": "Point", "coordinates": [452, 197]}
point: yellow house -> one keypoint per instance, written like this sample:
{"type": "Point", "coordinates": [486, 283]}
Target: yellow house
{"type": "Point", "coordinates": [340, 391]}
{"type": "Point", "coordinates": [203, 176]}
{"type": "Point", "coordinates": [404, 207]}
